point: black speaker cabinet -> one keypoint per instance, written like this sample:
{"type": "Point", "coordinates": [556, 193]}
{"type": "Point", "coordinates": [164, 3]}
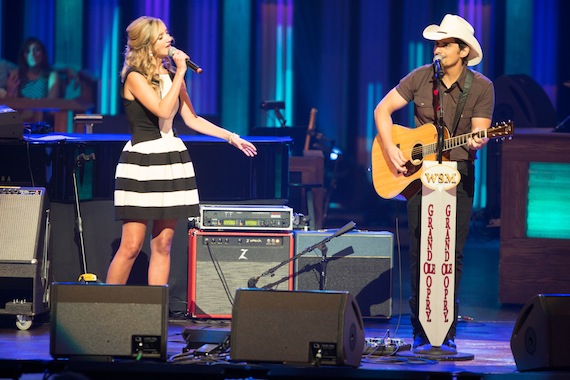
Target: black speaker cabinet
{"type": "Point", "coordinates": [542, 332]}
{"type": "Point", "coordinates": [24, 243]}
{"type": "Point", "coordinates": [108, 321]}
{"type": "Point", "coordinates": [315, 327]}
{"type": "Point", "coordinates": [359, 262]}
{"type": "Point", "coordinates": [221, 262]}
{"type": "Point", "coordinates": [11, 124]}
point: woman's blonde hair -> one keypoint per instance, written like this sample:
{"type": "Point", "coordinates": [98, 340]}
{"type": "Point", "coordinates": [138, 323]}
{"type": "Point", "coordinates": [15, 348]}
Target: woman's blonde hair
{"type": "Point", "coordinates": [139, 51]}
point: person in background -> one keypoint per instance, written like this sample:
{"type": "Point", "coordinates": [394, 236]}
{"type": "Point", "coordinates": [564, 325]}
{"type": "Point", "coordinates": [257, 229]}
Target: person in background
{"type": "Point", "coordinates": [6, 67]}
{"type": "Point", "coordinates": [34, 77]}
{"type": "Point", "coordinates": [455, 43]}
{"type": "Point", "coordinates": [155, 179]}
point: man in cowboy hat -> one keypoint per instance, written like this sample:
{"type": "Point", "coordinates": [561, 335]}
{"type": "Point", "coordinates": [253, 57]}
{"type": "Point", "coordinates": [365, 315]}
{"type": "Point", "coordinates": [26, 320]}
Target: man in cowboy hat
{"type": "Point", "coordinates": [455, 48]}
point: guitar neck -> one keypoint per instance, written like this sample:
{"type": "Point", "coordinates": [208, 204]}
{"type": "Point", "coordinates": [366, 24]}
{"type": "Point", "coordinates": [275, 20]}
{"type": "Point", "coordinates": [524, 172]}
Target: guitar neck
{"type": "Point", "coordinates": [457, 141]}
{"type": "Point", "coordinates": [452, 142]}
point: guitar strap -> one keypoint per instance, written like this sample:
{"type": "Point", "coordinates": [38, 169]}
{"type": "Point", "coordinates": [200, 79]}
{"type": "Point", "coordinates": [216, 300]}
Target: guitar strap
{"type": "Point", "coordinates": [462, 99]}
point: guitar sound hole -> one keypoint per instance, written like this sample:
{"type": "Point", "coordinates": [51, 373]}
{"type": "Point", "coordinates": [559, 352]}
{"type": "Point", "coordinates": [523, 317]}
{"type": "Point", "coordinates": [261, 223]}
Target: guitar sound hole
{"type": "Point", "coordinates": [416, 157]}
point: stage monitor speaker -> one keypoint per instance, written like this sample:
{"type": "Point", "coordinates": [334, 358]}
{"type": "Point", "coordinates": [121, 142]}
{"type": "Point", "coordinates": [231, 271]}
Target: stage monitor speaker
{"type": "Point", "coordinates": [315, 327]}
{"type": "Point", "coordinates": [11, 124]}
{"type": "Point", "coordinates": [24, 260]}
{"type": "Point", "coordinates": [524, 101]}
{"type": "Point", "coordinates": [221, 262]}
{"type": "Point", "coordinates": [359, 262]}
{"type": "Point", "coordinates": [103, 322]}
{"type": "Point", "coordinates": [541, 334]}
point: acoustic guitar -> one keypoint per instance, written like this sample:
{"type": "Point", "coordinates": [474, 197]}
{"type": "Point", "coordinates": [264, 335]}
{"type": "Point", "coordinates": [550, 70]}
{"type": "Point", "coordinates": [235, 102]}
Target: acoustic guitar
{"type": "Point", "coordinates": [418, 144]}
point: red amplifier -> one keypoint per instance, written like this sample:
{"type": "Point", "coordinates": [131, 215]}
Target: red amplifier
{"type": "Point", "coordinates": [219, 263]}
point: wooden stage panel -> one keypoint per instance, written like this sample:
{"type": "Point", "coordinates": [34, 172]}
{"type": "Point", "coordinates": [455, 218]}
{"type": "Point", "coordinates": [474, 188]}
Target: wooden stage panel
{"type": "Point", "coordinates": [311, 168]}
{"type": "Point", "coordinates": [529, 266]}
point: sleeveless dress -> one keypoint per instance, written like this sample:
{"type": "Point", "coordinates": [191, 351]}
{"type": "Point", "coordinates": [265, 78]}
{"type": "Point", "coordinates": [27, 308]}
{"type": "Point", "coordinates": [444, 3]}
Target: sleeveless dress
{"type": "Point", "coordinates": [34, 89]}
{"type": "Point", "coordinates": [154, 178]}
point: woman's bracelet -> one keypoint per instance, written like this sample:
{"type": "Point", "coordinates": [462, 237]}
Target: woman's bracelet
{"type": "Point", "coordinates": [232, 136]}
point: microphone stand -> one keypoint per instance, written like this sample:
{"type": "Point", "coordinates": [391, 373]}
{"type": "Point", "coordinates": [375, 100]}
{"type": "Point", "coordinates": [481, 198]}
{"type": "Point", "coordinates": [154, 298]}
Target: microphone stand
{"type": "Point", "coordinates": [324, 261]}
{"type": "Point", "coordinates": [79, 162]}
{"type": "Point", "coordinates": [279, 116]}
{"type": "Point", "coordinates": [438, 75]}
{"type": "Point", "coordinates": [252, 282]}
{"type": "Point", "coordinates": [559, 127]}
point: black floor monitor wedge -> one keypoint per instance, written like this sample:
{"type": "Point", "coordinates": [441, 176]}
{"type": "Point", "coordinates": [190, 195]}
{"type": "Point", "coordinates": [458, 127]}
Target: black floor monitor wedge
{"type": "Point", "coordinates": [310, 327]}
{"type": "Point", "coordinates": [99, 321]}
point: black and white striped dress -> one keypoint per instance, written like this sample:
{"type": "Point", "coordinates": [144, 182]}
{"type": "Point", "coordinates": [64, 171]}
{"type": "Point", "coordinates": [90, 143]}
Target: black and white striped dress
{"type": "Point", "coordinates": [34, 89]}
{"type": "Point", "coordinates": [154, 178]}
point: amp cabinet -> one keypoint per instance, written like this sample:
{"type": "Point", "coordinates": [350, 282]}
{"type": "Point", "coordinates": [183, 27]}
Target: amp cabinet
{"type": "Point", "coordinates": [221, 262]}
{"type": "Point", "coordinates": [359, 262]}
{"type": "Point", "coordinates": [24, 262]}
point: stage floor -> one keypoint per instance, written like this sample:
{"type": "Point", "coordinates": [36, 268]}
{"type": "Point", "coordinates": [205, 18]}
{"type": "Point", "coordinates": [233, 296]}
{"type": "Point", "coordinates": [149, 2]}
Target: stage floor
{"type": "Point", "coordinates": [27, 352]}
{"type": "Point", "coordinates": [484, 331]}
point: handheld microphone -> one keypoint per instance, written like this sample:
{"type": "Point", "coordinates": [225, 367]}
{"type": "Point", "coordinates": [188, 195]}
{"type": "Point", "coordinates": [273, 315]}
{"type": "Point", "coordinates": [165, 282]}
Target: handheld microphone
{"type": "Point", "coordinates": [191, 65]}
{"type": "Point", "coordinates": [437, 65]}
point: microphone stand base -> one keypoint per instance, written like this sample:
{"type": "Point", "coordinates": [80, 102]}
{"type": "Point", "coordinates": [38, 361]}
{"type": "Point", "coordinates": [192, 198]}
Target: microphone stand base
{"type": "Point", "coordinates": [437, 353]}
{"type": "Point", "coordinates": [87, 277]}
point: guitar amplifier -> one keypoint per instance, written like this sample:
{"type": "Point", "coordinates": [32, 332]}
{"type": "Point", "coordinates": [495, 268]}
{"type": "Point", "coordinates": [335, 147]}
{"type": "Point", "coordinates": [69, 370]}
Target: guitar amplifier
{"type": "Point", "coordinates": [359, 262]}
{"type": "Point", "coordinates": [221, 262]}
{"type": "Point", "coordinates": [24, 253]}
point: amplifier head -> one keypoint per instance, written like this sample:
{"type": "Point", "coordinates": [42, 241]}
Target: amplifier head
{"type": "Point", "coordinates": [246, 218]}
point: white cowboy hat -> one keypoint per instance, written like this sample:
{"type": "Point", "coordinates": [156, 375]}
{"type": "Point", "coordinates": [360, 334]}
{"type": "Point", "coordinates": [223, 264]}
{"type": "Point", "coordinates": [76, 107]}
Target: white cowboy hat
{"type": "Point", "coordinates": [453, 26]}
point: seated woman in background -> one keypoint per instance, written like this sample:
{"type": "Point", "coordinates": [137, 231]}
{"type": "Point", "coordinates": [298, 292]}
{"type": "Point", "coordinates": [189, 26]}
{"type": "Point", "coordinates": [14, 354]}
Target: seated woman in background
{"type": "Point", "coordinates": [34, 77]}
